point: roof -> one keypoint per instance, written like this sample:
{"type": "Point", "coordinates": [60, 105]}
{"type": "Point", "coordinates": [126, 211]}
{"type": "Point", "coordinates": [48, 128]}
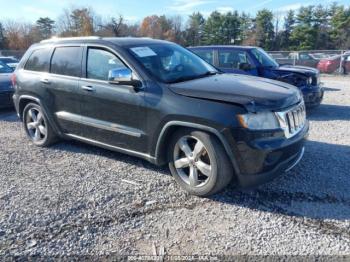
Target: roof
{"type": "Point", "coordinates": [120, 41]}
{"type": "Point", "coordinates": [223, 46]}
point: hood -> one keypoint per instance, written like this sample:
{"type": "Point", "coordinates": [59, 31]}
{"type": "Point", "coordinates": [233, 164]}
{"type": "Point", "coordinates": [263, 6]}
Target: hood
{"type": "Point", "coordinates": [254, 93]}
{"type": "Point", "coordinates": [307, 71]}
{"type": "Point", "coordinates": [5, 82]}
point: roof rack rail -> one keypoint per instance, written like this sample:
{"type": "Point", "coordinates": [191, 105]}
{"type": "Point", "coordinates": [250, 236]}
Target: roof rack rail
{"type": "Point", "coordinates": [55, 39]}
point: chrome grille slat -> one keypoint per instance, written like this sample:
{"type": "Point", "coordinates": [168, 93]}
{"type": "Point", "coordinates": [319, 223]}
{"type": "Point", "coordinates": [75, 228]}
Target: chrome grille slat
{"type": "Point", "coordinates": [292, 120]}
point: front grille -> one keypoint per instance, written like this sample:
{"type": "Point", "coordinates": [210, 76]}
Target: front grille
{"type": "Point", "coordinates": [292, 120]}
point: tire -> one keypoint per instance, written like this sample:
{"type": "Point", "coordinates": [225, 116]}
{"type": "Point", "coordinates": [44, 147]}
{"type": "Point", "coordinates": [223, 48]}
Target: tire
{"type": "Point", "coordinates": [342, 71]}
{"type": "Point", "coordinates": [212, 161]}
{"type": "Point", "coordinates": [37, 127]}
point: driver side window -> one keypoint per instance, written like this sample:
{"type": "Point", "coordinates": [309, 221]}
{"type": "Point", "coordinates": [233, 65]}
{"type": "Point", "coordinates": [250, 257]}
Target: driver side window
{"type": "Point", "coordinates": [233, 59]}
{"type": "Point", "coordinates": [100, 62]}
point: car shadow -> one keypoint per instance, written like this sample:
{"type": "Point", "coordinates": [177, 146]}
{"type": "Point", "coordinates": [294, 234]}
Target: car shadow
{"type": "Point", "coordinates": [326, 112]}
{"type": "Point", "coordinates": [8, 115]}
{"type": "Point", "coordinates": [330, 89]}
{"type": "Point", "coordinates": [83, 148]}
{"type": "Point", "coordinates": [315, 189]}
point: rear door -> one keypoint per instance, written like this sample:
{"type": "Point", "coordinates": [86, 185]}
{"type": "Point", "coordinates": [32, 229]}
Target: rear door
{"type": "Point", "coordinates": [113, 114]}
{"type": "Point", "coordinates": [63, 86]}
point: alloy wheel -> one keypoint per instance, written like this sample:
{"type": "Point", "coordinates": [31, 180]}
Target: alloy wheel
{"type": "Point", "coordinates": [36, 126]}
{"type": "Point", "coordinates": [192, 161]}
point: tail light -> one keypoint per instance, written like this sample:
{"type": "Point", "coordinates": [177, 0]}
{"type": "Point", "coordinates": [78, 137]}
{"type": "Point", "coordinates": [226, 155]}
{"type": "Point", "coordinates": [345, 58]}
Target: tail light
{"type": "Point", "coordinates": [13, 80]}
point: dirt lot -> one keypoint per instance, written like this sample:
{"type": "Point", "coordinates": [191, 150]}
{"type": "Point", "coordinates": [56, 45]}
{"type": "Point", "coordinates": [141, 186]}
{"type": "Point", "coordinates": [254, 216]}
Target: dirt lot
{"type": "Point", "coordinates": [77, 199]}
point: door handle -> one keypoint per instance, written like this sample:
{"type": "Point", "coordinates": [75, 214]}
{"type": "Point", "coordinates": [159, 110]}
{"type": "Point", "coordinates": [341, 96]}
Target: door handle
{"type": "Point", "coordinates": [88, 88]}
{"type": "Point", "coordinates": [45, 81]}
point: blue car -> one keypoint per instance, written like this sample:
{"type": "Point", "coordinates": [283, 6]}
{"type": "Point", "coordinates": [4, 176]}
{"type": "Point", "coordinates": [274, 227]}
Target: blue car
{"type": "Point", "coordinates": [255, 61]}
{"type": "Point", "coordinates": [6, 89]}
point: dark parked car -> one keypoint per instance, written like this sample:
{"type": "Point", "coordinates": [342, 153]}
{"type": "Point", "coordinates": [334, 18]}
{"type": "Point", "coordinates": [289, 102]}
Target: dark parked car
{"type": "Point", "coordinates": [156, 100]}
{"type": "Point", "coordinates": [255, 61]}
{"type": "Point", "coordinates": [305, 59]}
{"type": "Point", "coordinates": [6, 89]}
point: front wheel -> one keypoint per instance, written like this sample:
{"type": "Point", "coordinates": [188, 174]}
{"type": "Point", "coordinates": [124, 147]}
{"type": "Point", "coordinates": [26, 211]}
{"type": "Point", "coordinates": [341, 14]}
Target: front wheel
{"type": "Point", "coordinates": [199, 163]}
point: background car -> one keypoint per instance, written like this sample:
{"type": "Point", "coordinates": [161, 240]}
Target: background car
{"type": "Point", "coordinates": [10, 61]}
{"type": "Point", "coordinates": [6, 89]}
{"type": "Point", "coordinates": [304, 59]}
{"type": "Point", "coordinates": [255, 61]}
{"type": "Point", "coordinates": [333, 64]}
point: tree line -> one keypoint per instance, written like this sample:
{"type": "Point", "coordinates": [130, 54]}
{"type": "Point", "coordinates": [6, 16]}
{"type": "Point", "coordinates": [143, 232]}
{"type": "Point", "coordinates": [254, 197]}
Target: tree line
{"type": "Point", "coordinates": [308, 28]}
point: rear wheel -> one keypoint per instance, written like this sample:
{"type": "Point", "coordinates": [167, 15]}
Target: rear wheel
{"type": "Point", "coordinates": [36, 126]}
{"type": "Point", "coordinates": [199, 163]}
{"type": "Point", "coordinates": [342, 71]}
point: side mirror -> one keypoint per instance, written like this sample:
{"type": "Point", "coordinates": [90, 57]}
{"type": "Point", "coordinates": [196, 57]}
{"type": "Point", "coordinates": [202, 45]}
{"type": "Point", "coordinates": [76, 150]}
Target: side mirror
{"type": "Point", "coordinates": [122, 76]}
{"type": "Point", "coordinates": [245, 66]}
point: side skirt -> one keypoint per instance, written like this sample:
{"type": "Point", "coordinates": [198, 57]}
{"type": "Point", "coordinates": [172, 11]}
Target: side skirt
{"type": "Point", "coordinates": [113, 148]}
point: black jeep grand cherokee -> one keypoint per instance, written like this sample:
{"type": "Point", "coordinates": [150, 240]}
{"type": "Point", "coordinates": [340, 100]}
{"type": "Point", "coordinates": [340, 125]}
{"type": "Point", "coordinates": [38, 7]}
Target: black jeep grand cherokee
{"type": "Point", "coordinates": [156, 100]}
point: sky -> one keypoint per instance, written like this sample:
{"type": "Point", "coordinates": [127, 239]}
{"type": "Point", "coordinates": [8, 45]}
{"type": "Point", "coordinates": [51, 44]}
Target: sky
{"type": "Point", "coordinates": [135, 10]}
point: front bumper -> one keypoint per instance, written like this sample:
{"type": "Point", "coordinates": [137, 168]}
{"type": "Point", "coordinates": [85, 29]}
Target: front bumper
{"type": "Point", "coordinates": [6, 99]}
{"type": "Point", "coordinates": [313, 96]}
{"type": "Point", "coordinates": [261, 160]}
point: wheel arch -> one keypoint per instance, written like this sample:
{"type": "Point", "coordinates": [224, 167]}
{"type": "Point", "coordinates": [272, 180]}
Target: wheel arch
{"type": "Point", "coordinates": [25, 100]}
{"type": "Point", "coordinates": [172, 126]}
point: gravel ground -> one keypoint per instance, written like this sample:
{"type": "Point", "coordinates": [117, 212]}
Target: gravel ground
{"type": "Point", "coordinates": [74, 199]}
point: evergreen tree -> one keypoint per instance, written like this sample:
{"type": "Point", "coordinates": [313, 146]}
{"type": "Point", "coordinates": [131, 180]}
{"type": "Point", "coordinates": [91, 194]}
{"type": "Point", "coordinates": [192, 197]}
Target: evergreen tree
{"type": "Point", "coordinates": [194, 31]}
{"type": "Point", "coordinates": [264, 29]}
{"type": "Point", "coordinates": [289, 23]}
{"type": "Point", "coordinates": [213, 28]}
{"type": "Point", "coordinates": [45, 26]}
{"type": "Point", "coordinates": [2, 37]}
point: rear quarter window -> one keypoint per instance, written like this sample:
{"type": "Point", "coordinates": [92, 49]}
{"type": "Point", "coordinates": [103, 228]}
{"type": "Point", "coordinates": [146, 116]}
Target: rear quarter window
{"type": "Point", "coordinates": [67, 61]}
{"type": "Point", "coordinates": [39, 60]}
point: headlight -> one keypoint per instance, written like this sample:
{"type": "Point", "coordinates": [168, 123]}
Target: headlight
{"type": "Point", "coordinates": [258, 121]}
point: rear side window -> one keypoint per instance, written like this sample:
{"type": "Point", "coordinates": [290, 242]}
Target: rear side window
{"type": "Point", "coordinates": [39, 60]}
{"type": "Point", "coordinates": [67, 61]}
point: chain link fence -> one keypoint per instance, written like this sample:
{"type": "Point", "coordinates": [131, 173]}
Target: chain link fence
{"type": "Point", "coordinates": [327, 61]}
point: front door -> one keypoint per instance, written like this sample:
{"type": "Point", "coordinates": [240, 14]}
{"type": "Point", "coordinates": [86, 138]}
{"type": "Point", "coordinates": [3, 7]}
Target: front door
{"type": "Point", "coordinates": [113, 114]}
{"type": "Point", "coordinates": [236, 61]}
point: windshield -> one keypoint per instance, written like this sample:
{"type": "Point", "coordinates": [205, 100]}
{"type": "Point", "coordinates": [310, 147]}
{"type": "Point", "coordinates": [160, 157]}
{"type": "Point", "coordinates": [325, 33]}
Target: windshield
{"type": "Point", "coordinates": [264, 59]}
{"type": "Point", "coordinates": [171, 63]}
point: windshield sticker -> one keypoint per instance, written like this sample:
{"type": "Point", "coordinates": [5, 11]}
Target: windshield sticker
{"type": "Point", "coordinates": [143, 51]}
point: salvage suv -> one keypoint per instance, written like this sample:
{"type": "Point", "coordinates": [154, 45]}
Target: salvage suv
{"type": "Point", "coordinates": [250, 60]}
{"type": "Point", "coordinates": [156, 100]}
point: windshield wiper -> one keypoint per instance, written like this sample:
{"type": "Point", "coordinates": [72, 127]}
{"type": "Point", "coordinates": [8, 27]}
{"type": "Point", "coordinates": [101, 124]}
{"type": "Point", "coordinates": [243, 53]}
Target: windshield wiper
{"type": "Point", "coordinates": [187, 78]}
